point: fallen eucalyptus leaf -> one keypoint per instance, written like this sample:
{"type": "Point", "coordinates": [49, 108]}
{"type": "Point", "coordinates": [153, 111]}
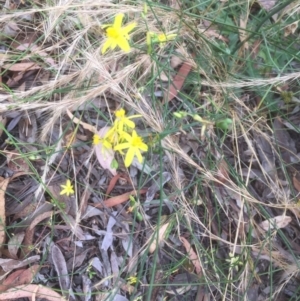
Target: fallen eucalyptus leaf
{"type": "Point", "coordinates": [105, 156]}
{"type": "Point", "coordinates": [60, 268]}
{"type": "Point", "coordinates": [11, 264]}
{"type": "Point", "coordinates": [279, 221]}
{"type": "Point", "coordinates": [108, 238]}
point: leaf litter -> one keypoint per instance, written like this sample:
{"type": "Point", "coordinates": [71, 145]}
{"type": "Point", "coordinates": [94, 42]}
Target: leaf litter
{"type": "Point", "coordinates": [89, 255]}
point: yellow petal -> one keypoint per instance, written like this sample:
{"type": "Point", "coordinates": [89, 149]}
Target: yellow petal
{"type": "Point", "coordinates": [122, 146]}
{"type": "Point", "coordinates": [135, 116]}
{"type": "Point", "coordinates": [129, 157]}
{"type": "Point", "coordinates": [104, 26]}
{"type": "Point", "coordinates": [106, 45]}
{"type": "Point", "coordinates": [120, 124]}
{"type": "Point", "coordinates": [106, 144]}
{"type": "Point", "coordinates": [110, 133]}
{"type": "Point", "coordinates": [120, 113]}
{"type": "Point", "coordinates": [113, 44]}
{"type": "Point", "coordinates": [128, 28]}
{"type": "Point", "coordinates": [139, 156]}
{"type": "Point", "coordinates": [123, 44]}
{"type": "Point", "coordinates": [118, 21]}
{"type": "Point", "coordinates": [63, 192]}
{"type": "Point", "coordinates": [134, 134]}
{"type": "Point", "coordinates": [143, 147]}
{"type": "Point", "coordinates": [125, 136]}
{"type": "Point", "coordinates": [129, 123]}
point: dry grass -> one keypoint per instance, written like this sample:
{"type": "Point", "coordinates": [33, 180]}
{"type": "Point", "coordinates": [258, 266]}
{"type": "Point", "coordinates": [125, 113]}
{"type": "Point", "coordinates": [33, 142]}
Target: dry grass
{"type": "Point", "coordinates": [221, 188]}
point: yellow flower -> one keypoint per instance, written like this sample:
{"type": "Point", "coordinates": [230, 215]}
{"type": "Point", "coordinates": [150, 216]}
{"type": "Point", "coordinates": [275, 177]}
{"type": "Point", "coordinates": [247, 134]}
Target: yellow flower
{"type": "Point", "coordinates": [117, 35]}
{"type": "Point", "coordinates": [96, 139]}
{"type": "Point", "coordinates": [134, 144]}
{"type": "Point", "coordinates": [123, 121]}
{"type": "Point", "coordinates": [105, 143]}
{"type": "Point", "coordinates": [112, 135]}
{"type": "Point", "coordinates": [67, 189]}
{"type": "Point", "coordinates": [132, 280]}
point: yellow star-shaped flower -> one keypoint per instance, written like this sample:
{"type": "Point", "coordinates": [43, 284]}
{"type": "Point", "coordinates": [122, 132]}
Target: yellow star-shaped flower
{"type": "Point", "coordinates": [67, 189]}
{"type": "Point", "coordinates": [132, 280]}
{"type": "Point", "coordinates": [122, 121]}
{"type": "Point", "coordinates": [135, 145]}
{"type": "Point", "coordinates": [117, 35]}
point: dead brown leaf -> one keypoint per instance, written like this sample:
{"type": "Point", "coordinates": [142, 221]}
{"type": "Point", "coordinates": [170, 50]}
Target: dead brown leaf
{"type": "Point", "coordinates": [284, 141]}
{"type": "Point", "coordinates": [14, 244]}
{"type": "Point", "coordinates": [11, 29]}
{"type": "Point", "coordinates": [26, 211]}
{"type": "Point", "coordinates": [178, 81]}
{"type": "Point", "coordinates": [31, 291]}
{"type": "Point", "coordinates": [74, 226]}
{"type": "Point", "coordinates": [222, 171]}
{"type": "Point", "coordinates": [157, 240]}
{"type": "Point", "coordinates": [5, 286]}
{"type": "Point", "coordinates": [117, 200]}
{"type": "Point", "coordinates": [192, 255]}
{"type": "Point", "coordinates": [291, 28]}
{"type": "Point", "coordinates": [20, 277]}
{"type": "Point", "coordinates": [40, 218]}
{"type": "Point", "coordinates": [114, 267]}
{"type": "Point", "coordinates": [11, 264]}
{"type": "Point", "coordinates": [112, 183]}
{"type": "Point", "coordinates": [61, 268]}
{"type": "Point", "coordinates": [296, 183]}
{"type": "Point", "coordinates": [279, 221]}
{"type": "Point", "coordinates": [28, 239]}
{"type": "Point", "coordinates": [78, 260]}
{"type": "Point", "coordinates": [26, 66]}
{"type": "Point", "coordinates": [19, 174]}
{"type": "Point", "coordinates": [265, 154]}
{"type": "Point", "coordinates": [108, 237]}
{"type": "Point", "coordinates": [16, 162]}
{"type": "Point", "coordinates": [35, 49]}
{"type": "Point", "coordinates": [3, 186]}
{"type": "Point", "coordinates": [26, 247]}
